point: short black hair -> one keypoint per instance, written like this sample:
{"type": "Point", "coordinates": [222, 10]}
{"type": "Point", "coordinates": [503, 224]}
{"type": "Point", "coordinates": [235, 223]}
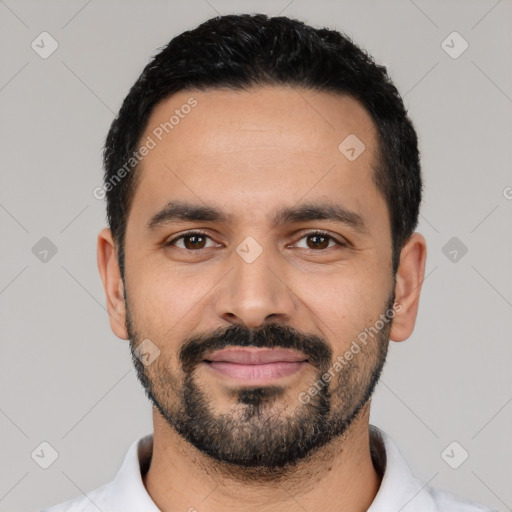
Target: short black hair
{"type": "Point", "coordinates": [244, 51]}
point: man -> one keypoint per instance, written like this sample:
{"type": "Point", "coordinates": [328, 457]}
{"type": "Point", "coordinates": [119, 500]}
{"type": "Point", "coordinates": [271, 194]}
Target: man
{"type": "Point", "coordinates": [263, 186]}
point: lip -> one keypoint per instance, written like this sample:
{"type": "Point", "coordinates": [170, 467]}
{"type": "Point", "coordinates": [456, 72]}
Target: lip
{"type": "Point", "coordinates": [255, 355]}
{"type": "Point", "coordinates": [255, 366]}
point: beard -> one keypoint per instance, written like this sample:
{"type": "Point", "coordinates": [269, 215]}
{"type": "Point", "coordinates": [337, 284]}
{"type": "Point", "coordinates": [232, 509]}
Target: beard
{"type": "Point", "coordinates": [258, 432]}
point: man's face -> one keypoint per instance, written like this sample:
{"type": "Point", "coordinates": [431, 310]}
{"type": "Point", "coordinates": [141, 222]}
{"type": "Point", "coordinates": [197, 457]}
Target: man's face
{"type": "Point", "coordinates": [250, 312]}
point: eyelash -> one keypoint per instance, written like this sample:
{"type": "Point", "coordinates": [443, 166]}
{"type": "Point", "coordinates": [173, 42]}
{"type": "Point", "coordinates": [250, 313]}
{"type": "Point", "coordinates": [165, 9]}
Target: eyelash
{"type": "Point", "coordinates": [304, 235]}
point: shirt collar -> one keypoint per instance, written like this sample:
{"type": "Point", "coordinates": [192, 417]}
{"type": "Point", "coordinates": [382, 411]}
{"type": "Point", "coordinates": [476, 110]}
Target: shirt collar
{"type": "Point", "coordinates": [127, 491]}
{"type": "Point", "coordinates": [399, 490]}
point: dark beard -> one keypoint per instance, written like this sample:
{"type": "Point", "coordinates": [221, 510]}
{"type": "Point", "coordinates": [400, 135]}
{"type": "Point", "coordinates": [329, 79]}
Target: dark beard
{"type": "Point", "coordinates": [257, 436]}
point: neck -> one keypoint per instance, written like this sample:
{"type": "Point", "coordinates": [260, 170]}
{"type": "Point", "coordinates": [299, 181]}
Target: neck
{"type": "Point", "coordinates": [337, 476]}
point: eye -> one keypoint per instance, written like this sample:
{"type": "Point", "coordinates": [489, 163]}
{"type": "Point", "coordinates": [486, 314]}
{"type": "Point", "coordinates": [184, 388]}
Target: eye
{"type": "Point", "coordinates": [193, 240]}
{"type": "Point", "coordinates": [318, 240]}
{"type": "Point", "coordinates": [197, 240]}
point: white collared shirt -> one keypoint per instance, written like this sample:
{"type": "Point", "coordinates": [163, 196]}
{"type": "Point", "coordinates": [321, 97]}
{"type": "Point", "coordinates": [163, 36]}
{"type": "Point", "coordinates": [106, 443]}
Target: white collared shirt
{"type": "Point", "coordinates": [399, 491]}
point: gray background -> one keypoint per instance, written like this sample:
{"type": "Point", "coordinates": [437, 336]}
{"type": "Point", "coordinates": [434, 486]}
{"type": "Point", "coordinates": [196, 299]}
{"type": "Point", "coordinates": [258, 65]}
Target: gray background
{"type": "Point", "coordinates": [66, 379]}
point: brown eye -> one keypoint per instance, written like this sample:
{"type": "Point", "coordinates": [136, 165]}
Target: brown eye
{"type": "Point", "coordinates": [194, 241]}
{"type": "Point", "coordinates": [319, 241]}
{"type": "Point", "coordinates": [190, 241]}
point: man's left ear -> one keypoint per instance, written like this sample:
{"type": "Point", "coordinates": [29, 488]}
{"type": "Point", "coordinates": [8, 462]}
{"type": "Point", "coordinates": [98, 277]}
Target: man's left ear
{"type": "Point", "coordinates": [409, 278]}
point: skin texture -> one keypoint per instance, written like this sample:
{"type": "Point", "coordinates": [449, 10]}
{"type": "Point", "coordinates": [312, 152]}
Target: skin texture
{"type": "Point", "coordinates": [250, 154]}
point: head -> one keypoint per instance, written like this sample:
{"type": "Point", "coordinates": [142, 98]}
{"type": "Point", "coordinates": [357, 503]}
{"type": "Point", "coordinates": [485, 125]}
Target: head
{"type": "Point", "coordinates": [263, 186]}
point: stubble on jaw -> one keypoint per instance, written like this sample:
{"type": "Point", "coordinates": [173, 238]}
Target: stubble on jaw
{"type": "Point", "coordinates": [258, 442]}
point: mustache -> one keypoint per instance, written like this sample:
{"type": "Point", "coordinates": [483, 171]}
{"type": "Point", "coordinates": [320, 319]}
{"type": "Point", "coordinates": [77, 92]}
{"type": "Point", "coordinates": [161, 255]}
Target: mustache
{"type": "Point", "coordinates": [314, 347]}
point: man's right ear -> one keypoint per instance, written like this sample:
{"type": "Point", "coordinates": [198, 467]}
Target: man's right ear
{"type": "Point", "coordinates": [112, 283]}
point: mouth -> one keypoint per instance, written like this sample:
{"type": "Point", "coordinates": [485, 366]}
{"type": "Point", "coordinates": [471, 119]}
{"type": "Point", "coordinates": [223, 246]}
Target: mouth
{"type": "Point", "coordinates": [255, 366]}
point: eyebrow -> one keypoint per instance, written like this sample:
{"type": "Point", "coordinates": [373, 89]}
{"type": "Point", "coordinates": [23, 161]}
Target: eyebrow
{"type": "Point", "coordinates": [180, 211]}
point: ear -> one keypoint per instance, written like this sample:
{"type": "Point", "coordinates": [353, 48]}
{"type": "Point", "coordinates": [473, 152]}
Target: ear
{"type": "Point", "coordinates": [409, 278]}
{"type": "Point", "coordinates": [112, 283]}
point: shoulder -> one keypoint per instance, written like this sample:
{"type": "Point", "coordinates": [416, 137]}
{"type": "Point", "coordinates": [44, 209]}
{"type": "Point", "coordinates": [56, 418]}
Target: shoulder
{"type": "Point", "coordinates": [401, 490]}
{"type": "Point", "coordinates": [448, 502]}
{"type": "Point", "coordinates": [125, 493]}
{"type": "Point", "coordinates": [92, 502]}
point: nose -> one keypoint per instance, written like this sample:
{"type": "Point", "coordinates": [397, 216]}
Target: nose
{"type": "Point", "coordinates": [255, 292]}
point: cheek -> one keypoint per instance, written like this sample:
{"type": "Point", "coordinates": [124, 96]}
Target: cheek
{"type": "Point", "coordinates": [347, 304]}
{"type": "Point", "coordinates": [161, 297]}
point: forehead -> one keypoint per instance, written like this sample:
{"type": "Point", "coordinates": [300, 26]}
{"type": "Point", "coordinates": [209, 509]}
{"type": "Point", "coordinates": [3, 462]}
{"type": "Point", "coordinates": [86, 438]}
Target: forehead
{"type": "Point", "coordinates": [261, 147]}
{"type": "Point", "coordinates": [285, 117]}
